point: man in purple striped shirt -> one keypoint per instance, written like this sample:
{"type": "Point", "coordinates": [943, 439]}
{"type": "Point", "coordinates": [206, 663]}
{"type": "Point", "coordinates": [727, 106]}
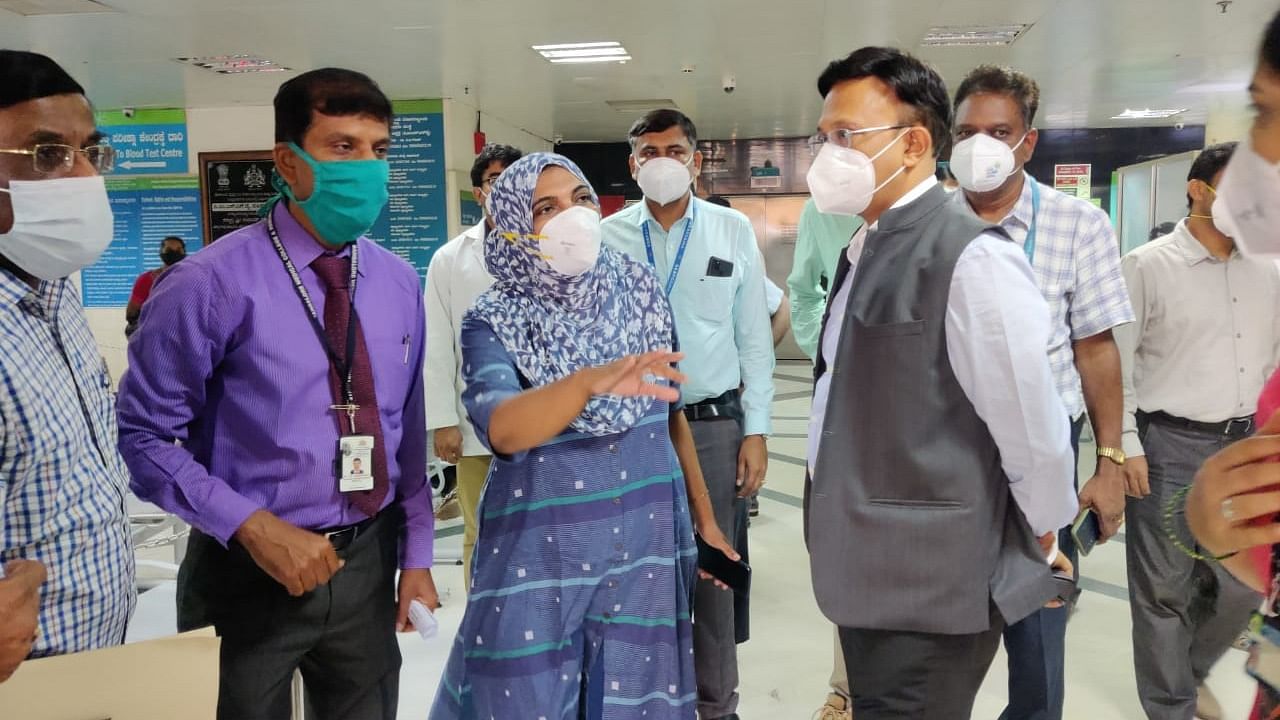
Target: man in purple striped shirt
{"type": "Point", "coordinates": [275, 358]}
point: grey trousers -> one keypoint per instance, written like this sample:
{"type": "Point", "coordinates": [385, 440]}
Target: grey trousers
{"type": "Point", "coordinates": [1186, 613]}
{"type": "Point", "coordinates": [341, 635]}
{"type": "Point", "coordinates": [715, 650]}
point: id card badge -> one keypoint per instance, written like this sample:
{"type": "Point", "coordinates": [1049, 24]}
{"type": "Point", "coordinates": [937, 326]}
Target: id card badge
{"type": "Point", "coordinates": [355, 459]}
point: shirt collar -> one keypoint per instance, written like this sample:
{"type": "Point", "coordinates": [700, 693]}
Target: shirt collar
{"type": "Point", "coordinates": [303, 249]}
{"type": "Point", "coordinates": [1023, 209]}
{"type": "Point", "coordinates": [473, 241]}
{"type": "Point", "coordinates": [12, 290]}
{"type": "Point", "coordinates": [1191, 249]}
{"type": "Point", "coordinates": [646, 215]}
{"type": "Point", "coordinates": [42, 301]}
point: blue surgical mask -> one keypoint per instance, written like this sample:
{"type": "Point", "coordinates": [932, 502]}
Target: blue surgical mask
{"type": "Point", "coordinates": [346, 198]}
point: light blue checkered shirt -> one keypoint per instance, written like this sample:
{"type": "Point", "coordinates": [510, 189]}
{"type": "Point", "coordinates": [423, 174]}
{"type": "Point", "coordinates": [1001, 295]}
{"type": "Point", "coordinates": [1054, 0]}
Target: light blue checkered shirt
{"type": "Point", "coordinates": [1077, 266]}
{"type": "Point", "coordinates": [62, 482]}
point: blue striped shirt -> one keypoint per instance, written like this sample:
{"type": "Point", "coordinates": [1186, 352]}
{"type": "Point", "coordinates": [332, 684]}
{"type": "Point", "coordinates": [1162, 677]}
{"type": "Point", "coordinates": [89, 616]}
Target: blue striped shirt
{"type": "Point", "coordinates": [62, 482]}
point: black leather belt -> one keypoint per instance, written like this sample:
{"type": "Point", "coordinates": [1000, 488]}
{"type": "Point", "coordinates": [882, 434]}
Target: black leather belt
{"type": "Point", "coordinates": [727, 405]}
{"type": "Point", "coordinates": [341, 538]}
{"type": "Point", "coordinates": [1235, 427]}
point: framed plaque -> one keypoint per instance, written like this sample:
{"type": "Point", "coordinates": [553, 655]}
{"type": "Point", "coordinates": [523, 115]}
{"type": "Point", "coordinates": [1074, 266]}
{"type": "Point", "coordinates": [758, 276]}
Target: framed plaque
{"type": "Point", "coordinates": [233, 187]}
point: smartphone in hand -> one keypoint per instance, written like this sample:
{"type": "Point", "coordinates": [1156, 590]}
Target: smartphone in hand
{"type": "Point", "coordinates": [734, 573]}
{"type": "Point", "coordinates": [1086, 531]}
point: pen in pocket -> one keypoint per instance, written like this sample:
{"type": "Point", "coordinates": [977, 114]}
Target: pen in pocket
{"type": "Point", "coordinates": [405, 341]}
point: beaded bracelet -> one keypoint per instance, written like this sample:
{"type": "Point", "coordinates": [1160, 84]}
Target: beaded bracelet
{"type": "Point", "coordinates": [1178, 506]}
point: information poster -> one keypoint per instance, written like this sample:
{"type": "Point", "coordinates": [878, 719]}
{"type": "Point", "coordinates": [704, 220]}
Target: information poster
{"type": "Point", "coordinates": [234, 186]}
{"type": "Point", "coordinates": [148, 141]}
{"type": "Point", "coordinates": [146, 211]}
{"type": "Point", "coordinates": [1074, 180]}
{"type": "Point", "coordinates": [415, 221]}
{"type": "Point", "coordinates": [471, 214]}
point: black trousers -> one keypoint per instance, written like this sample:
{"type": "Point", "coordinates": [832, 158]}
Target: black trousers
{"type": "Point", "coordinates": [917, 676]}
{"type": "Point", "coordinates": [341, 635]}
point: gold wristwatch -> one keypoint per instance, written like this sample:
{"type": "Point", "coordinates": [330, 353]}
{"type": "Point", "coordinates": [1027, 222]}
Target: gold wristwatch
{"type": "Point", "coordinates": [1115, 455]}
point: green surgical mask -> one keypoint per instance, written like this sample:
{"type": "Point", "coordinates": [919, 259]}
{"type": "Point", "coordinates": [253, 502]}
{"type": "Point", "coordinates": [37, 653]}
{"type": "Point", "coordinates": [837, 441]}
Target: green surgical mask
{"type": "Point", "coordinates": [346, 198]}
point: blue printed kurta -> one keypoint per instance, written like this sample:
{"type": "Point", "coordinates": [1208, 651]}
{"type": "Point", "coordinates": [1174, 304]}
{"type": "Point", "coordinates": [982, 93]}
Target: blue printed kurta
{"type": "Point", "coordinates": [583, 571]}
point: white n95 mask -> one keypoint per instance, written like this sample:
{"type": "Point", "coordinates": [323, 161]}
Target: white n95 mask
{"type": "Point", "coordinates": [843, 180]}
{"type": "Point", "coordinates": [664, 180]}
{"type": "Point", "coordinates": [570, 241]}
{"type": "Point", "coordinates": [1246, 206]}
{"type": "Point", "coordinates": [59, 226]}
{"type": "Point", "coordinates": [982, 163]}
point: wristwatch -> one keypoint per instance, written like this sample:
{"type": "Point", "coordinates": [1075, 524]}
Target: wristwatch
{"type": "Point", "coordinates": [1115, 455]}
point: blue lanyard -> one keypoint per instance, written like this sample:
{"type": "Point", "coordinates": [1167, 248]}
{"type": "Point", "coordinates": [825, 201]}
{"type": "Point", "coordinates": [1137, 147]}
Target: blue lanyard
{"type": "Point", "coordinates": [684, 243]}
{"type": "Point", "coordinates": [1029, 247]}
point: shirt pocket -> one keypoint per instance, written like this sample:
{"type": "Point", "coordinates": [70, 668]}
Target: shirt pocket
{"type": "Point", "coordinates": [713, 300]}
{"type": "Point", "coordinates": [390, 346]}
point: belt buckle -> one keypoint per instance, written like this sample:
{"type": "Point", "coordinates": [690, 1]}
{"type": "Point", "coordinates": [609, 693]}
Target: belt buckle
{"type": "Point", "coordinates": [330, 536]}
{"type": "Point", "coordinates": [1231, 424]}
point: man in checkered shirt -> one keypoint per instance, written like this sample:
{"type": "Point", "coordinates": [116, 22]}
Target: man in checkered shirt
{"type": "Point", "coordinates": [1075, 258]}
{"type": "Point", "coordinates": [62, 481]}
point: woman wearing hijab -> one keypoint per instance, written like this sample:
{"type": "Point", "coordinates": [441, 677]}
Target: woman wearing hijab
{"type": "Point", "coordinates": [1233, 505]}
{"type": "Point", "coordinates": [585, 562]}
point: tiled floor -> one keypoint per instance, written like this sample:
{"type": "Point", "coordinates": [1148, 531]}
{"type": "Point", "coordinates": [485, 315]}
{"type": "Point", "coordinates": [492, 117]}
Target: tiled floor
{"type": "Point", "coordinates": [787, 624]}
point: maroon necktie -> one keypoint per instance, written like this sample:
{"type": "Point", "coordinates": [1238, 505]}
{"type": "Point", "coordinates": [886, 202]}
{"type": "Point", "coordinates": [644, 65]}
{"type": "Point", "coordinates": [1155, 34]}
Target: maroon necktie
{"type": "Point", "coordinates": [335, 273]}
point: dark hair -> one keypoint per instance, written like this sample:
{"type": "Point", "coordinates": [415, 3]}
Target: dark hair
{"type": "Point", "coordinates": [174, 238]}
{"type": "Point", "coordinates": [328, 91]}
{"type": "Point", "coordinates": [720, 200]}
{"type": "Point", "coordinates": [1271, 44]}
{"type": "Point", "coordinates": [30, 76]}
{"type": "Point", "coordinates": [657, 121]}
{"type": "Point", "coordinates": [1209, 163]}
{"type": "Point", "coordinates": [1018, 86]}
{"type": "Point", "coordinates": [490, 154]}
{"type": "Point", "coordinates": [1161, 230]}
{"type": "Point", "coordinates": [912, 81]}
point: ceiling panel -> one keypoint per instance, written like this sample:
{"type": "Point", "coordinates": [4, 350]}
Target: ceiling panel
{"type": "Point", "coordinates": [1093, 58]}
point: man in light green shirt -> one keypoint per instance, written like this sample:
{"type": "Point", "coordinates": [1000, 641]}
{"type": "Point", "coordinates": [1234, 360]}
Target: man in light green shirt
{"type": "Point", "coordinates": [707, 260]}
{"type": "Point", "coordinates": [819, 240]}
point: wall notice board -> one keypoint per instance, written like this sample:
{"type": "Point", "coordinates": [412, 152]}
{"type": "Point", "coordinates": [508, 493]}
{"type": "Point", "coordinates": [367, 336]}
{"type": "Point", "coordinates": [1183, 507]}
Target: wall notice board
{"type": "Point", "coordinates": [233, 187]}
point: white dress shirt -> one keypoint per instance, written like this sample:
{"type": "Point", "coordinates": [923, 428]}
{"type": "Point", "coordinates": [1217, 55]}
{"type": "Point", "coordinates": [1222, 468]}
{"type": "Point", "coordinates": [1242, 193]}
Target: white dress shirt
{"type": "Point", "coordinates": [455, 278]}
{"type": "Point", "coordinates": [1077, 268]}
{"type": "Point", "coordinates": [997, 329]}
{"type": "Point", "coordinates": [1207, 334]}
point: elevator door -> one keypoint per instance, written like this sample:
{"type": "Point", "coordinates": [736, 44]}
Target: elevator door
{"type": "Point", "coordinates": [775, 218]}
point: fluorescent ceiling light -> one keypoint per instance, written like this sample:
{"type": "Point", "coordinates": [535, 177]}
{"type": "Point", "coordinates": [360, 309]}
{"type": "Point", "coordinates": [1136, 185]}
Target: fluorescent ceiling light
{"type": "Point", "coordinates": [54, 7]}
{"type": "Point", "coordinates": [973, 35]}
{"type": "Point", "coordinates": [590, 52]}
{"type": "Point", "coordinates": [233, 64]}
{"type": "Point", "coordinates": [1148, 114]}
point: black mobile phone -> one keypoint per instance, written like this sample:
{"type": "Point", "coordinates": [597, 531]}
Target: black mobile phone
{"type": "Point", "coordinates": [735, 574]}
{"type": "Point", "coordinates": [1086, 531]}
{"type": "Point", "coordinates": [1065, 586]}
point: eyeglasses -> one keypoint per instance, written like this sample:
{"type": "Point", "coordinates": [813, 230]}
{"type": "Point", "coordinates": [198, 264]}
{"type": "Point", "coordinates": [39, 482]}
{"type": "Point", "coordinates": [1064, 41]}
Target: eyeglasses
{"type": "Point", "coordinates": [48, 158]}
{"type": "Point", "coordinates": [843, 137]}
{"type": "Point", "coordinates": [680, 155]}
{"type": "Point", "coordinates": [487, 184]}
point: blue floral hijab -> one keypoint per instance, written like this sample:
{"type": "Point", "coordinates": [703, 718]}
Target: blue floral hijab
{"type": "Point", "coordinates": [554, 325]}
